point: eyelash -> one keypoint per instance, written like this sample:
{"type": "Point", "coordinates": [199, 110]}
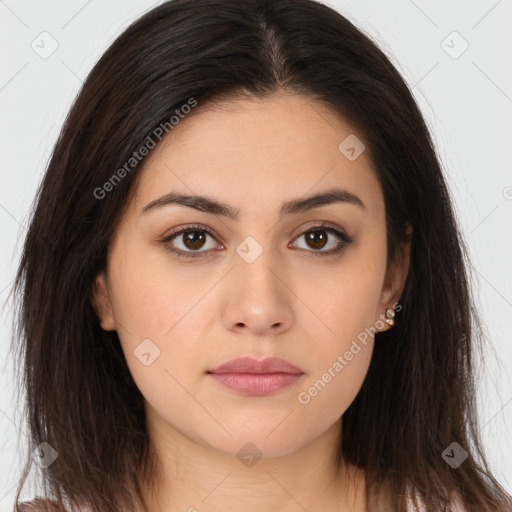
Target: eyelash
{"type": "Point", "coordinates": [345, 241]}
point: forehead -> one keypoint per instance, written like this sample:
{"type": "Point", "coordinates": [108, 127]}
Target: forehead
{"type": "Point", "coordinates": [252, 153]}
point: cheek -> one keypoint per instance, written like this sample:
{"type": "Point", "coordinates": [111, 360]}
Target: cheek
{"type": "Point", "coordinates": [151, 300]}
{"type": "Point", "coordinates": [160, 343]}
{"type": "Point", "coordinates": [347, 302]}
{"type": "Point", "coordinates": [344, 303]}
{"type": "Point", "coordinates": [159, 317]}
{"type": "Point", "coordinates": [338, 369]}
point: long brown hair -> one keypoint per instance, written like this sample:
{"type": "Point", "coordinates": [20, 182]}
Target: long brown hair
{"type": "Point", "coordinates": [419, 394]}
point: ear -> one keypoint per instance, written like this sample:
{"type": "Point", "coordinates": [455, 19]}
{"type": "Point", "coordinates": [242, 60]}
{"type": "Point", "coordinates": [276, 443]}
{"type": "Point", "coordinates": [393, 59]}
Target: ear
{"type": "Point", "coordinates": [396, 275]}
{"type": "Point", "coordinates": [102, 304]}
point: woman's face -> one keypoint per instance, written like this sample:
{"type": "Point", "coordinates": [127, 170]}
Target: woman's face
{"type": "Point", "coordinates": [264, 283]}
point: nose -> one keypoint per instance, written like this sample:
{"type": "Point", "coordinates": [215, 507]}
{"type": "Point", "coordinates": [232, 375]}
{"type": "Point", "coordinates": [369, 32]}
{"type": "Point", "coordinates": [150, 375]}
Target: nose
{"type": "Point", "coordinates": [258, 298]}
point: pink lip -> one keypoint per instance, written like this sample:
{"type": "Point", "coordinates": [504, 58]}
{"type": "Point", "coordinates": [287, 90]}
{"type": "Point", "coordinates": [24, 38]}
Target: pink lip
{"type": "Point", "coordinates": [256, 378]}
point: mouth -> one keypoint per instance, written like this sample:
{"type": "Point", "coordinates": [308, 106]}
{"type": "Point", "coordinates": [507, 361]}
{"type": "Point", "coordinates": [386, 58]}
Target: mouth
{"type": "Point", "coordinates": [256, 378]}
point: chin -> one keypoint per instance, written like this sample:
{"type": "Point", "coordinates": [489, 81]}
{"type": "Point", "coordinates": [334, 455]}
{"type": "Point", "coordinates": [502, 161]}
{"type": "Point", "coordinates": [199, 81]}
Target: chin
{"type": "Point", "coordinates": [249, 444]}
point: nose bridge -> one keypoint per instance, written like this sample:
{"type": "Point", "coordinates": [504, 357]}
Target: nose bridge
{"type": "Point", "coordinates": [257, 296]}
{"type": "Point", "coordinates": [256, 266]}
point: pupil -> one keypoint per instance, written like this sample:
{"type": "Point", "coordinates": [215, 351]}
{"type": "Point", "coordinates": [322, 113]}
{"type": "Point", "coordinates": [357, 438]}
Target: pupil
{"type": "Point", "coordinates": [195, 238]}
{"type": "Point", "coordinates": [318, 238]}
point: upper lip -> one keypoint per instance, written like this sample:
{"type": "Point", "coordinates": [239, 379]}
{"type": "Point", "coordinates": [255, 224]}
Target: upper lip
{"type": "Point", "coordinates": [250, 365]}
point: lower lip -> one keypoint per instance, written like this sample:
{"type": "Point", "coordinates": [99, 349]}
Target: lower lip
{"type": "Point", "coordinates": [256, 384]}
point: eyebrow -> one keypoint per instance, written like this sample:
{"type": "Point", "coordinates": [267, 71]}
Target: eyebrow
{"type": "Point", "coordinates": [214, 207]}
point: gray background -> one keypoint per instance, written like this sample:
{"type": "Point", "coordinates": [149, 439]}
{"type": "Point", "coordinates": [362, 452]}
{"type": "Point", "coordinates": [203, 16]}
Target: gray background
{"type": "Point", "coordinates": [466, 97]}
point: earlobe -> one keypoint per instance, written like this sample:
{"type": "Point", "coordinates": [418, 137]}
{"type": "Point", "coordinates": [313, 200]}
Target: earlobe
{"type": "Point", "coordinates": [102, 304]}
{"type": "Point", "coordinates": [394, 281]}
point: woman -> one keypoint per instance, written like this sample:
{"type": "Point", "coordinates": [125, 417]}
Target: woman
{"type": "Point", "coordinates": [243, 285]}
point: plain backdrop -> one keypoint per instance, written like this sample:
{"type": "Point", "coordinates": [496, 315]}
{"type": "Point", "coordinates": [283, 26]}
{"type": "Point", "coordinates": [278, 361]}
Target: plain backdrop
{"type": "Point", "coordinates": [456, 58]}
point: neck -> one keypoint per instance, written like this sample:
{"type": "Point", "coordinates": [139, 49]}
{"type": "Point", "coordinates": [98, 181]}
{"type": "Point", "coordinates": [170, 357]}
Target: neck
{"type": "Point", "coordinates": [193, 477]}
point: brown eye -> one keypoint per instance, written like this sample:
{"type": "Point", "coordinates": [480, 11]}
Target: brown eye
{"type": "Point", "coordinates": [316, 239]}
{"type": "Point", "coordinates": [319, 237]}
{"type": "Point", "coordinates": [190, 242]}
{"type": "Point", "coordinates": [193, 240]}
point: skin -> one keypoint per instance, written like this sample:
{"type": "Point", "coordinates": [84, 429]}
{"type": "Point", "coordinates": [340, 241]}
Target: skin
{"type": "Point", "coordinates": [201, 312]}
